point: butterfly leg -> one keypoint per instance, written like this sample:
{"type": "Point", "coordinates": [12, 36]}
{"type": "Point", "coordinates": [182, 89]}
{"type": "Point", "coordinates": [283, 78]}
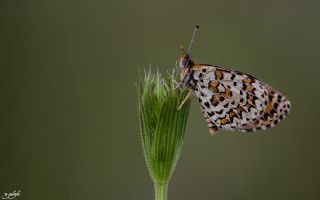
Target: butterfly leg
{"type": "Point", "coordinates": [183, 75]}
{"type": "Point", "coordinates": [177, 84]}
{"type": "Point", "coordinates": [185, 99]}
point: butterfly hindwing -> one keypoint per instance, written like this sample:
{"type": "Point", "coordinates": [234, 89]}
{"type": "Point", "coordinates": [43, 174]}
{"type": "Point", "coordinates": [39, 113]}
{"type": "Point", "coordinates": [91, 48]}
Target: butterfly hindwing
{"type": "Point", "coordinates": [237, 101]}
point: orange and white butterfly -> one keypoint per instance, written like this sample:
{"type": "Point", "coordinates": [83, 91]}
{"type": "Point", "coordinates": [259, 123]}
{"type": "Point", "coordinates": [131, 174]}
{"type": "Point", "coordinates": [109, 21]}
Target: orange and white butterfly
{"type": "Point", "coordinates": [230, 99]}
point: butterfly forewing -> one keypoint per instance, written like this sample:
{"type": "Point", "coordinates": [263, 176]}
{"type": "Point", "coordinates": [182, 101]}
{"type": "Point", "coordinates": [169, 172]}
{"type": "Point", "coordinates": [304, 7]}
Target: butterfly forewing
{"type": "Point", "coordinates": [236, 101]}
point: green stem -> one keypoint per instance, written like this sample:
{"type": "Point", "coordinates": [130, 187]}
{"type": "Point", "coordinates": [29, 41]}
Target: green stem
{"type": "Point", "coordinates": [161, 190]}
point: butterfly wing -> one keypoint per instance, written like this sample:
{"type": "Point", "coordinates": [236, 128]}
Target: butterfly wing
{"type": "Point", "coordinates": [237, 101]}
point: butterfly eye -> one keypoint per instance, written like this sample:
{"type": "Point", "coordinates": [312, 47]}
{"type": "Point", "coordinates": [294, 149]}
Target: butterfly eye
{"type": "Point", "coordinates": [184, 62]}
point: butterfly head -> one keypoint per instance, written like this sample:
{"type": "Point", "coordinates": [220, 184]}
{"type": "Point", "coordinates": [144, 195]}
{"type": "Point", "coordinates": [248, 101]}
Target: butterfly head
{"type": "Point", "coordinates": [185, 60]}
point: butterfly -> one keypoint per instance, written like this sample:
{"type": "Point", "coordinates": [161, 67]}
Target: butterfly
{"type": "Point", "coordinates": [229, 99]}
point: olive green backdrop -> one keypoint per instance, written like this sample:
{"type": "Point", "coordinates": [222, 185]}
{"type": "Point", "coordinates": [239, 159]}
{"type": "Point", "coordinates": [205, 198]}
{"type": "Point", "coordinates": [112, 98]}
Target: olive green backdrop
{"type": "Point", "coordinates": [69, 126]}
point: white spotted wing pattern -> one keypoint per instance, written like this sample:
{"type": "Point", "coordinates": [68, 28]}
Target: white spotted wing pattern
{"type": "Point", "coordinates": [233, 100]}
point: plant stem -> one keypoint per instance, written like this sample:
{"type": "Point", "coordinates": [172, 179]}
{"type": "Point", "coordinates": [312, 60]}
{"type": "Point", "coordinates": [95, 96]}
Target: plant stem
{"type": "Point", "coordinates": [161, 190]}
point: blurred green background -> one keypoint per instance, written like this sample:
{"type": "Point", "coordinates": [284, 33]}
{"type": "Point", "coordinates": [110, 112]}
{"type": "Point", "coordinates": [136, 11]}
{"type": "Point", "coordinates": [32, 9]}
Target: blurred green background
{"type": "Point", "coordinates": [69, 126]}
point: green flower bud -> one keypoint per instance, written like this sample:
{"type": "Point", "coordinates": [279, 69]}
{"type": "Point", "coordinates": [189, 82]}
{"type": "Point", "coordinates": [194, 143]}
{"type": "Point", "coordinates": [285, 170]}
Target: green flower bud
{"type": "Point", "coordinates": [162, 126]}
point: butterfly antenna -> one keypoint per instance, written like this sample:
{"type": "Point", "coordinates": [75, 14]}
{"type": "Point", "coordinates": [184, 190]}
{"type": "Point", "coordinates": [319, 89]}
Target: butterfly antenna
{"type": "Point", "coordinates": [194, 33]}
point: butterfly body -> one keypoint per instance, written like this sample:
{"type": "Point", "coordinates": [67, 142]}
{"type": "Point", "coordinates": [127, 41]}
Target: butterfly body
{"type": "Point", "coordinates": [232, 100]}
